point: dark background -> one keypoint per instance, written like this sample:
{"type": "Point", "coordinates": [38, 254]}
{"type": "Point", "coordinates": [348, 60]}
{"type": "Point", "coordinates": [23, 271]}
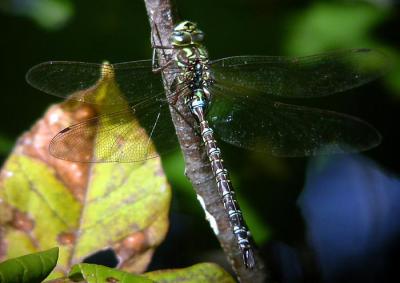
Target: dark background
{"type": "Point", "coordinates": [269, 188]}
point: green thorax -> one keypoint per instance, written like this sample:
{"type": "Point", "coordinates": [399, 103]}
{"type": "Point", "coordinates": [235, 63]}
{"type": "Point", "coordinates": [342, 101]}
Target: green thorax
{"type": "Point", "coordinates": [187, 56]}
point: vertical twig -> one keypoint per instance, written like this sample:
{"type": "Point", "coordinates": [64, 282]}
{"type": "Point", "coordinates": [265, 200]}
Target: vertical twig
{"type": "Point", "coordinates": [163, 15]}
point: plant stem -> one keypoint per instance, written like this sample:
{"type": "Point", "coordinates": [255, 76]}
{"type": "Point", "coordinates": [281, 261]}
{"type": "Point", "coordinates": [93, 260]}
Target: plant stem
{"type": "Point", "coordinates": [163, 16]}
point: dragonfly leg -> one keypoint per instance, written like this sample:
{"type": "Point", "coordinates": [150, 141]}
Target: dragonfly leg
{"type": "Point", "coordinates": [153, 43]}
{"type": "Point", "coordinates": [189, 123]}
{"type": "Point", "coordinates": [156, 68]}
{"type": "Point", "coordinates": [161, 47]}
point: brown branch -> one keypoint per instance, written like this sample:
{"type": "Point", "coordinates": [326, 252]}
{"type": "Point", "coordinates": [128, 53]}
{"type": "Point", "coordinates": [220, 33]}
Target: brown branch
{"type": "Point", "coordinates": [163, 15]}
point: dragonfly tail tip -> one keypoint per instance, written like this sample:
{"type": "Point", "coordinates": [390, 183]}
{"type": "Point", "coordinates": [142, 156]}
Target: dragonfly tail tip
{"type": "Point", "coordinates": [248, 258]}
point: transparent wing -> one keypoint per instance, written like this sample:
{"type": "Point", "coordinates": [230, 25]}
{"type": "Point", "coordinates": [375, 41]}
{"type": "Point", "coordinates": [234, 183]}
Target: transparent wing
{"type": "Point", "coordinates": [311, 76]}
{"type": "Point", "coordinates": [124, 136]}
{"type": "Point", "coordinates": [135, 80]}
{"type": "Point", "coordinates": [286, 130]}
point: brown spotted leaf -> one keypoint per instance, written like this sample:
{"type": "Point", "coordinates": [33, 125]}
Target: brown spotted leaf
{"type": "Point", "coordinates": [80, 207]}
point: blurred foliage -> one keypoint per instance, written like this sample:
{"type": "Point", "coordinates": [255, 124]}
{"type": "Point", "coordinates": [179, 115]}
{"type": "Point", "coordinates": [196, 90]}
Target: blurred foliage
{"type": "Point", "coordinates": [50, 14]}
{"type": "Point", "coordinates": [350, 203]}
{"type": "Point", "coordinates": [5, 145]}
{"type": "Point", "coordinates": [335, 25]}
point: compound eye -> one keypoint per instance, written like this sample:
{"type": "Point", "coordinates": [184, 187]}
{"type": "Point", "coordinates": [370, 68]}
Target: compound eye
{"type": "Point", "coordinates": [198, 36]}
{"type": "Point", "coordinates": [180, 38]}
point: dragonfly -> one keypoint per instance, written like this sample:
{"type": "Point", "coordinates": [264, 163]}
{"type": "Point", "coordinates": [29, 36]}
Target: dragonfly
{"type": "Point", "coordinates": [237, 99]}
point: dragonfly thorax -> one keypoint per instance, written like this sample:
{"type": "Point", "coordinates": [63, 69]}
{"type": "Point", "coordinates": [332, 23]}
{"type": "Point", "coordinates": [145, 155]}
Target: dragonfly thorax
{"type": "Point", "coordinates": [189, 55]}
{"type": "Point", "coordinates": [195, 72]}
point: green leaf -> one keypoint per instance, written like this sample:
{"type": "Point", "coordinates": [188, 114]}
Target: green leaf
{"type": "Point", "coordinates": [202, 272]}
{"type": "Point", "coordinates": [81, 207]}
{"type": "Point", "coordinates": [29, 268]}
{"type": "Point", "coordinates": [93, 273]}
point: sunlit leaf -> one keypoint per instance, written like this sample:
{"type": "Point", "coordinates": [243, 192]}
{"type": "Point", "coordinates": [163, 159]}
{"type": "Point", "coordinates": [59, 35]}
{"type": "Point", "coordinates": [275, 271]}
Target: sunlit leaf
{"type": "Point", "coordinates": [81, 207]}
{"type": "Point", "coordinates": [203, 272]}
{"type": "Point", "coordinates": [29, 268]}
{"type": "Point", "coordinates": [93, 273]}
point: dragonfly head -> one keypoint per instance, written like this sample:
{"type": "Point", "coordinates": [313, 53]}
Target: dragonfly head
{"type": "Point", "coordinates": [186, 33]}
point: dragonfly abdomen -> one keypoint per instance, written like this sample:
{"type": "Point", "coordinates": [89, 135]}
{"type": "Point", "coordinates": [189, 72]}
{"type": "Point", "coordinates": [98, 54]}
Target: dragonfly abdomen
{"type": "Point", "coordinates": [192, 59]}
{"type": "Point", "coordinates": [225, 188]}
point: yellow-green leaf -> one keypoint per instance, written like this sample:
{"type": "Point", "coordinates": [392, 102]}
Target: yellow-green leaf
{"type": "Point", "coordinates": [202, 272]}
{"type": "Point", "coordinates": [93, 273]}
{"type": "Point", "coordinates": [81, 207]}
